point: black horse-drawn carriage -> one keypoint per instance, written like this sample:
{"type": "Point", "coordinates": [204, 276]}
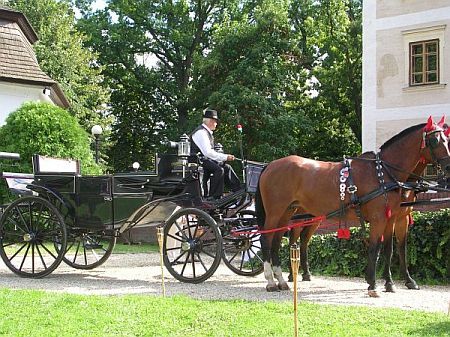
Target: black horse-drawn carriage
{"type": "Point", "coordinates": [61, 215]}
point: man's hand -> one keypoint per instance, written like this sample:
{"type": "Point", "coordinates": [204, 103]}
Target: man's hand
{"type": "Point", "coordinates": [230, 157]}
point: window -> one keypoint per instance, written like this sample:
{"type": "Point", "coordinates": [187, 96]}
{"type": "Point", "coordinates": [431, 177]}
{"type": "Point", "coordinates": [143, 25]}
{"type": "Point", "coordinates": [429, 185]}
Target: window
{"type": "Point", "coordinates": [424, 62]}
{"type": "Point", "coordinates": [424, 53]}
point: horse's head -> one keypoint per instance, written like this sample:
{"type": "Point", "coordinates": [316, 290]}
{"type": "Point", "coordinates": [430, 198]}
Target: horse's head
{"type": "Point", "coordinates": [435, 145]}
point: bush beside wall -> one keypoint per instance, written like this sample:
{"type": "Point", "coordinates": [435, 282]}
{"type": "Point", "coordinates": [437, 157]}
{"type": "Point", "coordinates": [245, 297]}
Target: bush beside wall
{"type": "Point", "coordinates": [428, 251]}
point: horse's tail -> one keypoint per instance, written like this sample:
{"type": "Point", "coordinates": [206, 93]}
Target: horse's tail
{"type": "Point", "coordinates": [259, 206]}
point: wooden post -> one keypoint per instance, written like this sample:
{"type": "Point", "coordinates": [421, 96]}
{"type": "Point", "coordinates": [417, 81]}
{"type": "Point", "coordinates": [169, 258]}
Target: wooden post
{"type": "Point", "coordinates": [160, 233]}
{"type": "Point", "coordinates": [295, 262]}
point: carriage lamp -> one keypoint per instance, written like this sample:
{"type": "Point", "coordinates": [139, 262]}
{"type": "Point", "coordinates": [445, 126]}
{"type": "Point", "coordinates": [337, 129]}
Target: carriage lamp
{"type": "Point", "coordinates": [184, 146]}
{"type": "Point", "coordinates": [184, 150]}
{"type": "Point", "coordinates": [96, 132]}
{"type": "Point", "coordinates": [136, 166]}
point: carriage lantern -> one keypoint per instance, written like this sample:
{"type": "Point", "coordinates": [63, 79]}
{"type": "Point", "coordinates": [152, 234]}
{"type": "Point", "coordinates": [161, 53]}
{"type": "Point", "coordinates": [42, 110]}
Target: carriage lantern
{"type": "Point", "coordinates": [184, 146]}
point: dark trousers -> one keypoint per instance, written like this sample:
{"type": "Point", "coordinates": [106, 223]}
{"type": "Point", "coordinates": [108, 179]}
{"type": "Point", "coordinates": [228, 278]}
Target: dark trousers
{"type": "Point", "coordinates": [220, 175]}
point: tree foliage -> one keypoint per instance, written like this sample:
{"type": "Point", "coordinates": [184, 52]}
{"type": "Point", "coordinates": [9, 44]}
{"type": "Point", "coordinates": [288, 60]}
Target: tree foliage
{"type": "Point", "coordinates": [289, 71]}
{"type": "Point", "coordinates": [45, 129]}
{"type": "Point", "coordinates": [63, 57]}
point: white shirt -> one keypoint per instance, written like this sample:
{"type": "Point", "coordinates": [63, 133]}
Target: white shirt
{"type": "Point", "coordinates": [201, 139]}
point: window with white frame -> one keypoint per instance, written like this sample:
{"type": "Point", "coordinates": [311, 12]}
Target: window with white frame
{"type": "Point", "coordinates": [424, 52]}
{"type": "Point", "coordinates": [424, 62]}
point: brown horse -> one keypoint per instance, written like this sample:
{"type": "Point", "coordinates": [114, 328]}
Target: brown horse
{"type": "Point", "coordinates": [372, 192]}
{"type": "Point", "coordinates": [401, 226]}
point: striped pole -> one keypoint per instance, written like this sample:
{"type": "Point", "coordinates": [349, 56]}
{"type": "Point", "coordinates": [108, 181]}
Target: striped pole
{"type": "Point", "coordinates": [295, 262]}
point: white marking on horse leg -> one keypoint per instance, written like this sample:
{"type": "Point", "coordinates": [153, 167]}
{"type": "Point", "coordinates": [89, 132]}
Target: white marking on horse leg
{"type": "Point", "coordinates": [268, 274]}
{"type": "Point", "coordinates": [282, 285]}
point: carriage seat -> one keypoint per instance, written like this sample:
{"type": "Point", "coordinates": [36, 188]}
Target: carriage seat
{"type": "Point", "coordinates": [50, 165]}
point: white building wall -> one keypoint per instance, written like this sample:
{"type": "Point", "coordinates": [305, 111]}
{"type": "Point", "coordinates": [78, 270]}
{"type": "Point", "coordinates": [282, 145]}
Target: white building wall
{"type": "Point", "coordinates": [389, 104]}
{"type": "Point", "coordinates": [13, 95]}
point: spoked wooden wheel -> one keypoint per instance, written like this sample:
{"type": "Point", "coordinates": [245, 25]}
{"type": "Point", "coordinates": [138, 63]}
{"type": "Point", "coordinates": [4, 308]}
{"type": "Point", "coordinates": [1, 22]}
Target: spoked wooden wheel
{"type": "Point", "coordinates": [242, 252]}
{"type": "Point", "coordinates": [192, 245]}
{"type": "Point", "coordinates": [29, 230]}
{"type": "Point", "coordinates": [88, 249]}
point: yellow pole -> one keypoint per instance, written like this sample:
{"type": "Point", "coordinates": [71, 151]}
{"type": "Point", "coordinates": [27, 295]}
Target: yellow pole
{"type": "Point", "coordinates": [160, 233]}
{"type": "Point", "coordinates": [295, 261]}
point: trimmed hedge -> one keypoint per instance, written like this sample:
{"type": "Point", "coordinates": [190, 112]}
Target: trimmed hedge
{"type": "Point", "coordinates": [428, 251]}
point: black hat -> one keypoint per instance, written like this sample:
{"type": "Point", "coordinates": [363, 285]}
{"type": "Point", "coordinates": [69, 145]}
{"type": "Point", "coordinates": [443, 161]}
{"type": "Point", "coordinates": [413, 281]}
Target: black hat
{"type": "Point", "coordinates": [210, 113]}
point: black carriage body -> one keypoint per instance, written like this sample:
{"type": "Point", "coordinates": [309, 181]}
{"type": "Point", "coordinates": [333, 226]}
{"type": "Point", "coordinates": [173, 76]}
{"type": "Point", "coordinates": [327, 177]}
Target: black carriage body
{"type": "Point", "coordinates": [107, 201]}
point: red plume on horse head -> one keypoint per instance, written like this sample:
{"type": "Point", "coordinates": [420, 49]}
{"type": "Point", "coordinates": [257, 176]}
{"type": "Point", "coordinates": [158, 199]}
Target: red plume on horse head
{"type": "Point", "coordinates": [441, 122]}
{"type": "Point", "coordinates": [430, 126]}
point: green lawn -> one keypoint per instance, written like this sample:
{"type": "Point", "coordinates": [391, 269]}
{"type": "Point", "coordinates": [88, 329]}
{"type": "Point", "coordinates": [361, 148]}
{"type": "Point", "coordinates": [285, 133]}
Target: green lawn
{"type": "Point", "coordinates": [37, 313]}
{"type": "Point", "coordinates": [121, 248]}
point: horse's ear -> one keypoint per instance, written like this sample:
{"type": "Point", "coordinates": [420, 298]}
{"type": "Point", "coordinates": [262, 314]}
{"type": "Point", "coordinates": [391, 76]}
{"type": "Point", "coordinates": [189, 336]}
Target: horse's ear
{"type": "Point", "coordinates": [441, 122]}
{"type": "Point", "coordinates": [430, 125]}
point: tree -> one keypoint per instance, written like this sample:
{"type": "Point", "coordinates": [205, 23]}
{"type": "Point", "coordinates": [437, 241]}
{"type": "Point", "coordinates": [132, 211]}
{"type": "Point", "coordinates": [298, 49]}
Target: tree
{"type": "Point", "coordinates": [45, 129]}
{"type": "Point", "coordinates": [330, 36]}
{"type": "Point", "coordinates": [248, 75]}
{"type": "Point", "coordinates": [149, 50]}
{"type": "Point", "coordinates": [63, 57]}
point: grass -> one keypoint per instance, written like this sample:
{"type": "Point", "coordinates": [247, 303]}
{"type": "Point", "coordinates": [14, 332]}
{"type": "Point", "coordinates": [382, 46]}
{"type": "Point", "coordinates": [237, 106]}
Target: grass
{"type": "Point", "coordinates": [122, 248]}
{"type": "Point", "coordinates": [37, 313]}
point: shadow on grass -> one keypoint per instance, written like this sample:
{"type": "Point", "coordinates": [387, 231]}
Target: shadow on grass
{"type": "Point", "coordinates": [433, 329]}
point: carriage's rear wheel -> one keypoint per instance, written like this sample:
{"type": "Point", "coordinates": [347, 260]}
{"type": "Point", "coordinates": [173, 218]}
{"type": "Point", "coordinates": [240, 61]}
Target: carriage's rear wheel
{"type": "Point", "coordinates": [192, 245]}
{"type": "Point", "coordinates": [242, 253]}
{"type": "Point", "coordinates": [88, 249]}
{"type": "Point", "coordinates": [30, 228]}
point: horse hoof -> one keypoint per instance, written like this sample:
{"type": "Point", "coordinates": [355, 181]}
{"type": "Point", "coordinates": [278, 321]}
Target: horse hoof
{"type": "Point", "coordinates": [306, 277]}
{"type": "Point", "coordinates": [272, 288]}
{"type": "Point", "coordinates": [412, 285]}
{"type": "Point", "coordinates": [283, 286]}
{"type": "Point", "coordinates": [373, 293]}
{"type": "Point", "coordinates": [390, 288]}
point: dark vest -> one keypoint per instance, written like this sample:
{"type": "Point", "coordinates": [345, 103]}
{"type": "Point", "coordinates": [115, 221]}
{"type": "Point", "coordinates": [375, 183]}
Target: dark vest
{"type": "Point", "coordinates": [194, 148]}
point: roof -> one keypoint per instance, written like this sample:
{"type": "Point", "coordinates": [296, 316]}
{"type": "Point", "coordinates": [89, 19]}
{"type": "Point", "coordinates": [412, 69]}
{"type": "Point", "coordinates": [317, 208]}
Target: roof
{"type": "Point", "coordinates": [18, 63]}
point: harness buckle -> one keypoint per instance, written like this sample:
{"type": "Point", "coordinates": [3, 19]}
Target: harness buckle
{"type": "Point", "coordinates": [352, 189]}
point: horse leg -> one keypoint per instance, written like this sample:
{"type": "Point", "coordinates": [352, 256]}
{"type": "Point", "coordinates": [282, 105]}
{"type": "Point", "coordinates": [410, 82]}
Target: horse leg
{"type": "Point", "coordinates": [401, 233]}
{"type": "Point", "coordinates": [276, 263]}
{"type": "Point", "coordinates": [373, 253]}
{"type": "Point", "coordinates": [266, 247]}
{"type": "Point", "coordinates": [388, 249]}
{"type": "Point", "coordinates": [306, 236]}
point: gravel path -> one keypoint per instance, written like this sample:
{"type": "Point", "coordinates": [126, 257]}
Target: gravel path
{"type": "Point", "coordinates": [141, 274]}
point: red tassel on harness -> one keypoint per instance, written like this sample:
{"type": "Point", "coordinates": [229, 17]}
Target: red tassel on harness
{"type": "Point", "coordinates": [410, 220]}
{"type": "Point", "coordinates": [343, 233]}
{"type": "Point", "coordinates": [422, 160]}
{"type": "Point", "coordinates": [388, 212]}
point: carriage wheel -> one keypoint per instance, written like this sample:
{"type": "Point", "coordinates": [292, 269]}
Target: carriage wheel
{"type": "Point", "coordinates": [192, 245]}
{"type": "Point", "coordinates": [242, 254]}
{"type": "Point", "coordinates": [88, 249]}
{"type": "Point", "coordinates": [29, 229]}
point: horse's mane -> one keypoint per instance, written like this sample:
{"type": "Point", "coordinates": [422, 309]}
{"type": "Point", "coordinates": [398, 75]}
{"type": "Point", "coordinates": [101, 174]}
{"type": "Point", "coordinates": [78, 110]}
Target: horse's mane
{"type": "Point", "coordinates": [402, 134]}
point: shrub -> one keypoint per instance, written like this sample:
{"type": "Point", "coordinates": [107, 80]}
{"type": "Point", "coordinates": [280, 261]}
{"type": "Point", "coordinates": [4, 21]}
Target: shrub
{"type": "Point", "coordinates": [428, 251]}
{"type": "Point", "coordinates": [45, 129]}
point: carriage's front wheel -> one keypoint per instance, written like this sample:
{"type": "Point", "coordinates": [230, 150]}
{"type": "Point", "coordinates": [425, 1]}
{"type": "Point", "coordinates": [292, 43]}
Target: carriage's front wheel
{"type": "Point", "coordinates": [192, 245]}
{"type": "Point", "coordinates": [242, 251]}
{"type": "Point", "coordinates": [30, 228]}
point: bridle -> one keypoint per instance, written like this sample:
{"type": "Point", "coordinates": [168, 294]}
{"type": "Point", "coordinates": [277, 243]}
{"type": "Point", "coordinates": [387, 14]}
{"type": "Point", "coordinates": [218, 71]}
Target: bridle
{"type": "Point", "coordinates": [432, 144]}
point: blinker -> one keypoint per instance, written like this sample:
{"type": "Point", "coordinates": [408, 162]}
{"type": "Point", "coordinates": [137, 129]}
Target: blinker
{"type": "Point", "coordinates": [432, 142]}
